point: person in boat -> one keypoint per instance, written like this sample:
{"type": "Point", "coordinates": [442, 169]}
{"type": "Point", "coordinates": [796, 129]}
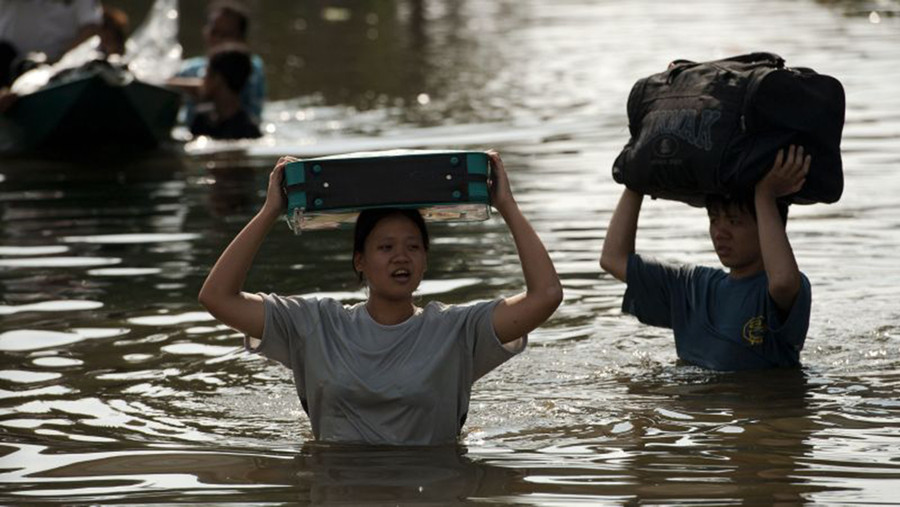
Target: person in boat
{"type": "Point", "coordinates": [226, 22]}
{"type": "Point", "coordinates": [754, 316]}
{"type": "Point", "coordinates": [384, 371]}
{"type": "Point", "coordinates": [47, 27]}
{"type": "Point", "coordinates": [60, 17]}
{"type": "Point", "coordinates": [223, 115]}
{"type": "Point", "coordinates": [113, 31]}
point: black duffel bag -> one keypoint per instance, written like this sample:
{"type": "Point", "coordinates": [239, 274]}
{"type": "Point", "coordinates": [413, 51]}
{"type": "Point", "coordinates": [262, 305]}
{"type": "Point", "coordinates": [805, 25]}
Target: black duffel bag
{"type": "Point", "coordinates": [715, 128]}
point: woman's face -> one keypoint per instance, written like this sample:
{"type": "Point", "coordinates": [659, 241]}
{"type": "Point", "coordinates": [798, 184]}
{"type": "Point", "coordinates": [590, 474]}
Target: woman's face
{"type": "Point", "coordinates": [393, 260]}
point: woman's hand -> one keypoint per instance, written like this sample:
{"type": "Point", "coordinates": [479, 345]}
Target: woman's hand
{"type": "Point", "coordinates": [501, 193]}
{"type": "Point", "coordinates": [276, 198]}
{"type": "Point", "coordinates": [787, 175]}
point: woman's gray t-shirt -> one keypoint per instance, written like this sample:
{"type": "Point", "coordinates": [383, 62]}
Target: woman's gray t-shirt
{"type": "Point", "coordinates": [361, 381]}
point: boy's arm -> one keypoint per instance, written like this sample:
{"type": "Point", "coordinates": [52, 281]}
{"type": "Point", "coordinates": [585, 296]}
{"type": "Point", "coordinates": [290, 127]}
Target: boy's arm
{"type": "Point", "coordinates": [788, 174]}
{"type": "Point", "coordinates": [188, 85]}
{"type": "Point", "coordinates": [620, 234]}
{"type": "Point", "coordinates": [518, 315]}
{"type": "Point", "coordinates": [222, 292]}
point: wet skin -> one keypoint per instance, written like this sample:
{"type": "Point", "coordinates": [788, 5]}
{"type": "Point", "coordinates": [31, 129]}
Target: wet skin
{"type": "Point", "coordinates": [735, 236]}
{"type": "Point", "coordinates": [393, 261]}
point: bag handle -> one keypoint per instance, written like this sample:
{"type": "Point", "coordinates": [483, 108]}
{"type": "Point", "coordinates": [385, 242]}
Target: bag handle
{"type": "Point", "coordinates": [677, 66]}
{"type": "Point", "coordinates": [758, 57]}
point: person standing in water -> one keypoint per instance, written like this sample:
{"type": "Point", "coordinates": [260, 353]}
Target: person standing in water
{"type": "Point", "coordinates": [384, 371]}
{"type": "Point", "coordinates": [227, 73]}
{"type": "Point", "coordinates": [227, 22]}
{"type": "Point", "coordinates": [754, 316]}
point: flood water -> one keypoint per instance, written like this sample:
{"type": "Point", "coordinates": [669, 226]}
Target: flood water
{"type": "Point", "coordinates": [116, 386]}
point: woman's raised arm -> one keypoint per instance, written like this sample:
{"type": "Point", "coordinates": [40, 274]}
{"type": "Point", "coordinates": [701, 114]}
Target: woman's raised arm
{"type": "Point", "coordinates": [222, 292]}
{"type": "Point", "coordinates": [518, 315]}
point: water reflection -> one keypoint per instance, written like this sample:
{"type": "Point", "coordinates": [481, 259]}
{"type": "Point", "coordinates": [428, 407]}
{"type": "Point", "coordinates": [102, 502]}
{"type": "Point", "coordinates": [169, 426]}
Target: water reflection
{"type": "Point", "coordinates": [233, 191]}
{"type": "Point", "coordinates": [428, 475]}
{"type": "Point", "coordinates": [726, 435]}
{"type": "Point", "coordinates": [316, 474]}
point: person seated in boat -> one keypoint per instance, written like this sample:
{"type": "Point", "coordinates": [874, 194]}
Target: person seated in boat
{"type": "Point", "coordinates": [42, 30]}
{"type": "Point", "coordinates": [384, 371]}
{"type": "Point", "coordinates": [226, 22]}
{"type": "Point", "coordinates": [113, 31]}
{"type": "Point", "coordinates": [222, 115]}
{"type": "Point", "coordinates": [754, 316]}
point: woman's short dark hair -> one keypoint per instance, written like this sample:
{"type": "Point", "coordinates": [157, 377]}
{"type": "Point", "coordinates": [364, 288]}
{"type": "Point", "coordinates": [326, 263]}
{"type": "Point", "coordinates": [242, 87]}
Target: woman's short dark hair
{"type": "Point", "coordinates": [369, 218]}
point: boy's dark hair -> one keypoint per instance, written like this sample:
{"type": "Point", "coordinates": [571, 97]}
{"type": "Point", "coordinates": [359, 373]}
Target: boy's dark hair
{"type": "Point", "coordinates": [746, 202]}
{"type": "Point", "coordinates": [368, 219]}
{"type": "Point", "coordinates": [232, 8]}
{"type": "Point", "coordinates": [232, 62]}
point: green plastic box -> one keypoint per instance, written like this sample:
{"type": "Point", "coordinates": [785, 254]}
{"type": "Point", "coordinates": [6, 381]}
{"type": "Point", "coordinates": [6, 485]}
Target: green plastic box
{"type": "Point", "coordinates": [328, 192]}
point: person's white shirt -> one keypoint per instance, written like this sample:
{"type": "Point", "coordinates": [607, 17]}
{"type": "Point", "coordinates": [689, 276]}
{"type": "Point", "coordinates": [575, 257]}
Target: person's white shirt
{"type": "Point", "coordinates": [47, 26]}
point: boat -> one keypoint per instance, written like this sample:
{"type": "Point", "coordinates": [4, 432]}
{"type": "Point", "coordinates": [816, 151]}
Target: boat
{"type": "Point", "coordinates": [94, 109]}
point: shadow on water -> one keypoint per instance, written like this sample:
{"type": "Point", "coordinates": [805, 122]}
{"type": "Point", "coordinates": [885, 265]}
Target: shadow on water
{"type": "Point", "coordinates": [318, 473]}
{"type": "Point", "coordinates": [152, 166]}
{"type": "Point", "coordinates": [233, 192]}
{"type": "Point", "coordinates": [67, 226]}
{"type": "Point", "coordinates": [43, 197]}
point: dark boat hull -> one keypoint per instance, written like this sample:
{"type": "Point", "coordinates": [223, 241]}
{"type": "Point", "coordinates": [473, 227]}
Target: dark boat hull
{"type": "Point", "coordinates": [93, 112]}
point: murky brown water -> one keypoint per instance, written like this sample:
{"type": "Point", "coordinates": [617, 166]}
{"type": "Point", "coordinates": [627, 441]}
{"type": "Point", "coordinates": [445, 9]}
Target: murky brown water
{"type": "Point", "coordinates": [115, 386]}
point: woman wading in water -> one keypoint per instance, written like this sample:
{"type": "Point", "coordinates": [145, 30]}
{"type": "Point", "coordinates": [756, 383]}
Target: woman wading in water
{"type": "Point", "coordinates": [384, 371]}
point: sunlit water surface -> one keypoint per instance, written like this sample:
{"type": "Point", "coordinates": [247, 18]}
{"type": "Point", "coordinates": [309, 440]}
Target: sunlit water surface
{"type": "Point", "coordinates": [115, 385]}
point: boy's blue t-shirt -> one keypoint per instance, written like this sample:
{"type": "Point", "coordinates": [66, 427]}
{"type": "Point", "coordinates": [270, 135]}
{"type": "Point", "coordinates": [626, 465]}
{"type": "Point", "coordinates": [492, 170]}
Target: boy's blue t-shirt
{"type": "Point", "coordinates": [719, 322]}
{"type": "Point", "coordinates": [252, 95]}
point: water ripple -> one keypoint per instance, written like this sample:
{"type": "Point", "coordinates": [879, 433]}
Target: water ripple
{"type": "Point", "coordinates": [130, 239]}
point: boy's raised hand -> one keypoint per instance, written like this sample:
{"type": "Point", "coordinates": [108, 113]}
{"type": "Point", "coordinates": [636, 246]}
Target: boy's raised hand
{"type": "Point", "coordinates": [788, 173]}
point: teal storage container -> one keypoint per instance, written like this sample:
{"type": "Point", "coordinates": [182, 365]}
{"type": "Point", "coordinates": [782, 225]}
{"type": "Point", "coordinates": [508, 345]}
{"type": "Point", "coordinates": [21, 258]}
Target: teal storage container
{"type": "Point", "coordinates": [330, 191]}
